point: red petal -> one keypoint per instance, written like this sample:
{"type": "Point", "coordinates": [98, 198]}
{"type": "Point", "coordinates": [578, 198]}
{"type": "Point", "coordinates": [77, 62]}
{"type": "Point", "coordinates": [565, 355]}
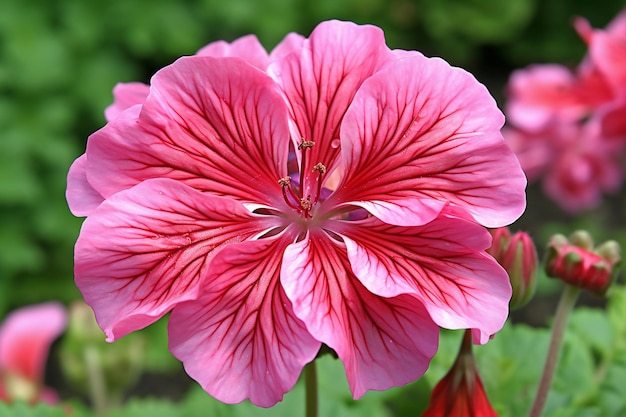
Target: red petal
{"type": "Point", "coordinates": [247, 48]}
{"type": "Point", "coordinates": [216, 124]}
{"type": "Point", "coordinates": [126, 95]}
{"type": "Point", "coordinates": [148, 248]}
{"type": "Point", "coordinates": [81, 197]}
{"type": "Point", "coordinates": [321, 79]}
{"type": "Point", "coordinates": [383, 342]}
{"type": "Point", "coordinates": [240, 339]}
{"type": "Point", "coordinates": [442, 263]}
{"type": "Point", "coordinates": [421, 133]}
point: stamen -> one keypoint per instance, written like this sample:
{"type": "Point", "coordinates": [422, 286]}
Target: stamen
{"type": "Point", "coordinates": [305, 204]}
{"type": "Point", "coordinates": [321, 169]}
{"type": "Point", "coordinates": [305, 144]}
{"type": "Point", "coordinates": [285, 183]}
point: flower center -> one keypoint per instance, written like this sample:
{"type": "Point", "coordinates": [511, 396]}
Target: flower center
{"type": "Point", "coordinates": [297, 200]}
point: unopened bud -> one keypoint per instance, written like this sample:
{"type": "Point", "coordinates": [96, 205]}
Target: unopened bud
{"type": "Point", "coordinates": [501, 237]}
{"type": "Point", "coordinates": [576, 262]}
{"type": "Point", "coordinates": [518, 256]}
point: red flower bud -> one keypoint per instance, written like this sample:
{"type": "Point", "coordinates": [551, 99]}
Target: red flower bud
{"type": "Point", "coordinates": [576, 262]}
{"type": "Point", "coordinates": [461, 393]}
{"type": "Point", "coordinates": [518, 256]}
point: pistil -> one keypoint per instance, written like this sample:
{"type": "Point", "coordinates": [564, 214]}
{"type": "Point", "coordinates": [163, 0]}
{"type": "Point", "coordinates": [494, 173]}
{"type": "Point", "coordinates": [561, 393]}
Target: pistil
{"type": "Point", "coordinates": [297, 200]}
{"type": "Point", "coordinates": [304, 146]}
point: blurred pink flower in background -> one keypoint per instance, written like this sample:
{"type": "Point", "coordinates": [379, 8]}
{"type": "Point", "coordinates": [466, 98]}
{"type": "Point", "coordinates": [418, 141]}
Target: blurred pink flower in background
{"type": "Point", "coordinates": [26, 335]}
{"type": "Point", "coordinates": [191, 208]}
{"type": "Point", "coordinates": [568, 127]}
{"type": "Point", "coordinates": [577, 166]}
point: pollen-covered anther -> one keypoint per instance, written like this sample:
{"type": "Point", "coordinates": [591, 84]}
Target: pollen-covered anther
{"type": "Point", "coordinates": [305, 144]}
{"type": "Point", "coordinates": [321, 168]}
{"type": "Point", "coordinates": [288, 194]}
{"type": "Point", "coordinates": [305, 204]}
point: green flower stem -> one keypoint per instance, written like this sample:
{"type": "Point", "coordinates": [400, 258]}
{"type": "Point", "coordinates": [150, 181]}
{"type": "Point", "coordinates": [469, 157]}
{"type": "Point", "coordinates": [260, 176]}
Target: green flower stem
{"type": "Point", "coordinates": [566, 304]}
{"type": "Point", "coordinates": [310, 383]}
{"type": "Point", "coordinates": [97, 385]}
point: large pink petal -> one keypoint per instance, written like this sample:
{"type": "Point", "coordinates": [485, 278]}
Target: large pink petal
{"type": "Point", "coordinates": [421, 133]}
{"type": "Point", "coordinates": [25, 338]}
{"type": "Point", "coordinates": [146, 249]}
{"type": "Point", "coordinates": [321, 80]}
{"type": "Point", "coordinates": [442, 263]}
{"type": "Point", "coordinates": [240, 339]}
{"type": "Point", "coordinates": [216, 124]}
{"type": "Point", "coordinates": [383, 342]}
{"type": "Point", "coordinates": [247, 48]}
{"type": "Point", "coordinates": [81, 197]}
{"type": "Point", "coordinates": [126, 95]}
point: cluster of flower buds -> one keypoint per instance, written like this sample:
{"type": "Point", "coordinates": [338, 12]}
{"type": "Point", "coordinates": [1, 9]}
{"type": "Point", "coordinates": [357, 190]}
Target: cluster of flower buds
{"type": "Point", "coordinates": [518, 256]}
{"type": "Point", "coordinates": [577, 262]}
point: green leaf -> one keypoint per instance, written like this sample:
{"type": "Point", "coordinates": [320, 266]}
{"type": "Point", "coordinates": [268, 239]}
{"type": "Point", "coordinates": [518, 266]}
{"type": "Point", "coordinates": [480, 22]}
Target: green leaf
{"type": "Point", "coordinates": [20, 409]}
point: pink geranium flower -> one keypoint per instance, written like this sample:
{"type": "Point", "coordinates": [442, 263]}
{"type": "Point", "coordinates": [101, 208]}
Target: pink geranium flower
{"type": "Point", "coordinates": [574, 162]}
{"type": "Point", "coordinates": [25, 338]}
{"type": "Point", "coordinates": [568, 126]}
{"type": "Point", "coordinates": [607, 49]}
{"type": "Point", "coordinates": [192, 209]}
{"type": "Point", "coordinates": [607, 56]}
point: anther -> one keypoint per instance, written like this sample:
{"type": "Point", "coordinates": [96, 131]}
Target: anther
{"type": "Point", "coordinates": [305, 144]}
{"type": "Point", "coordinates": [321, 168]}
{"type": "Point", "coordinates": [290, 199]}
{"type": "Point", "coordinates": [305, 205]}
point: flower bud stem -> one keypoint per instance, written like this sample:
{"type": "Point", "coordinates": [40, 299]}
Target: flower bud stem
{"type": "Point", "coordinates": [97, 385]}
{"type": "Point", "coordinates": [310, 384]}
{"type": "Point", "coordinates": [565, 306]}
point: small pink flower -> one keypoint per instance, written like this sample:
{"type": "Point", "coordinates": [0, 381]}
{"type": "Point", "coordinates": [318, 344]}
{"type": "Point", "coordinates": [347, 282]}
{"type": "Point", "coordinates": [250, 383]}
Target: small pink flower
{"type": "Point", "coordinates": [25, 338]}
{"type": "Point", "coordinates": [259, 265]}
{"type": "Point", "coordinates": [540, 93]}
{"type": "Point", "coordinates": [607, 50]}
{"type": "Point", "coordinates": [575, 164]}
{"type": "Point", "coordinates": [607, 58]}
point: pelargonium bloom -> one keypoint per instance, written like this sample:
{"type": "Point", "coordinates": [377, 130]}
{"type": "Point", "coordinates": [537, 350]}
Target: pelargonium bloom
{"type": "Point", "coordinates": [568, 125]}
{"type": "Point", "coordinates": [25, 338]}
{"type": "Point", "coordinates": [576, 165]}
{"type": "Point", "coordinates": [367, 241]}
